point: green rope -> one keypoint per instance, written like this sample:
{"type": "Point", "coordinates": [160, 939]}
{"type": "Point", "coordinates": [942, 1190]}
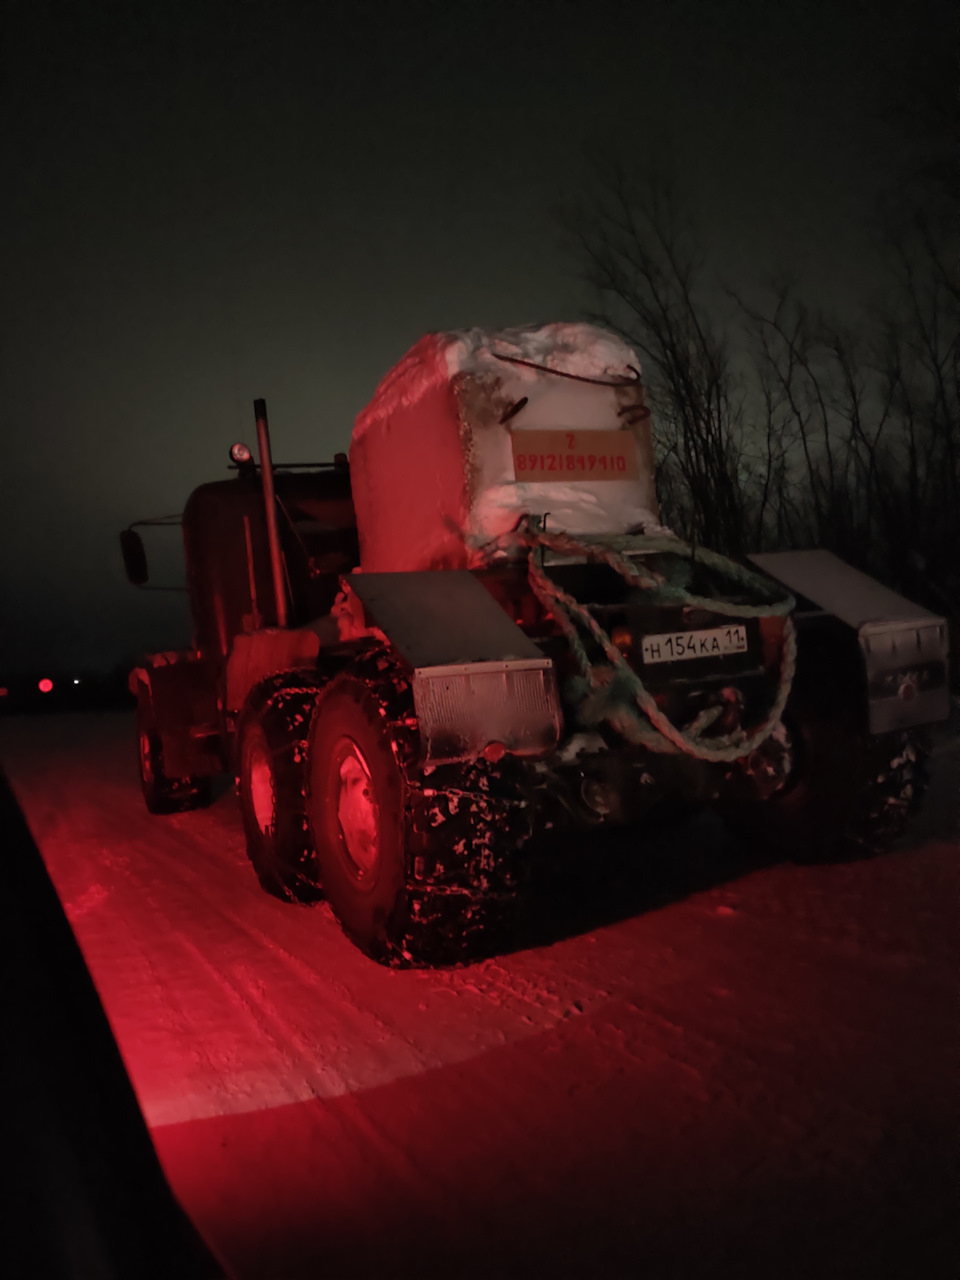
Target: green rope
{"type": "Point", "coordinates": [615, 693]}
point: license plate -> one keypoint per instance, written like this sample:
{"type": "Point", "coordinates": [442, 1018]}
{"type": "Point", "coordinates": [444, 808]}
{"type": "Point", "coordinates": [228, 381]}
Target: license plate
{"type": "Point", "coordinates": [694, 644]}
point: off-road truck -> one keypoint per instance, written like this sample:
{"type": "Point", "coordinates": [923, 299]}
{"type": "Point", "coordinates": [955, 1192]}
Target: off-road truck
{"type": "Point", "coordinates": [415, 661]}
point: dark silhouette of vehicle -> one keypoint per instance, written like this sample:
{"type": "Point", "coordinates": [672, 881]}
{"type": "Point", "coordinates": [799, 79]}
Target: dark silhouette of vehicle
{"type": "Point", "coordinates": [86, 1196]}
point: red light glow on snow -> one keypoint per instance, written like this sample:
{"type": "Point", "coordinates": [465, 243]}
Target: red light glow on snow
{"type": "Point", "coordinates": [45, 685]}
{"type": "Point", "coordinates": [694, 1063]}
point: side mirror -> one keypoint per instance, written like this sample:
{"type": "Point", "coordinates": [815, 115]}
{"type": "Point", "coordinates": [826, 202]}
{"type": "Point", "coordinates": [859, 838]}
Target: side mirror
{"type": "Point", "coordinates": [134, 557]}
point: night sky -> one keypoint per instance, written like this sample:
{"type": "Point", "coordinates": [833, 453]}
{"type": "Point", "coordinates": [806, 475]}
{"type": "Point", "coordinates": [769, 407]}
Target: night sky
{"type": "Point", "coordinates": [208, 202]}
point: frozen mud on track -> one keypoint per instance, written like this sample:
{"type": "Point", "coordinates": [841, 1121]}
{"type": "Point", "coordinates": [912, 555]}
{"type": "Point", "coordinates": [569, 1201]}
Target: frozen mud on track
{"type": "Point", "coordinates": [695, 1067]}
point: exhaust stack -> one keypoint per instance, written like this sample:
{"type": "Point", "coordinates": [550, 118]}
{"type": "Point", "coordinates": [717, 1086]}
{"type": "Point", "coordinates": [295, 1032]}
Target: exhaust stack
{"type": "Point", "coordinates": [270, 504]}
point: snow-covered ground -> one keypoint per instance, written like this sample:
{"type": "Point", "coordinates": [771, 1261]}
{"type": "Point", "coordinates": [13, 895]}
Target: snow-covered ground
{"type": "Point", "coordinates": [697, 1067]}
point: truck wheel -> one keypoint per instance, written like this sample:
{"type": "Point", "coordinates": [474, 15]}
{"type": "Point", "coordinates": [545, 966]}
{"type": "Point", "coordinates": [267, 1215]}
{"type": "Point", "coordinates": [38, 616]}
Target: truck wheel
{"type": "Point", "coordinates": [415, 874]}
{"type": "Point", "coordinates": [162, 793]}
{"type": "Point", "coordinates": [272, 740]}
{"type": "Point", "coordinates": [849, 794]}
{"type": "Point", "coordinates": [357, 807]}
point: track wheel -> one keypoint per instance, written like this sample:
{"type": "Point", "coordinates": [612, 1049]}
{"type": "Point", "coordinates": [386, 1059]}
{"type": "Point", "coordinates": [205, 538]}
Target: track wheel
{"type": "Point", "coordinates": [849, 794]}
{"type": "Point", "coordinates": [357, 807]}
{"type": "Point", "coordinates": [272, 739]}
{"type": "Point", "coordinates": [161, 792]}
{"type": "Point", "coordinates": [418, 869]}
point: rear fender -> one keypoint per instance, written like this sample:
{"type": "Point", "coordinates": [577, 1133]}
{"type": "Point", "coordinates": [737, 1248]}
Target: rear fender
{"type": "Point", "coordinates": [902, 648]}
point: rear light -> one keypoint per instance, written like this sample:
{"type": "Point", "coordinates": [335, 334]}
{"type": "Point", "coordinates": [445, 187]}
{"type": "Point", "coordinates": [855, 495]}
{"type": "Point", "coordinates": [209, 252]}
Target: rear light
{"type": "Point", "coordinates": [771, 638]}
{"type": "Point", "coordinates": [622, 638]}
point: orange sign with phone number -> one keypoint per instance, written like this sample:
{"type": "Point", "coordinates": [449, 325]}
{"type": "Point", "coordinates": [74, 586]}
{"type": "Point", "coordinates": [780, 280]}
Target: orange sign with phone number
{"type": "Point", "coordinates": [574, 455]}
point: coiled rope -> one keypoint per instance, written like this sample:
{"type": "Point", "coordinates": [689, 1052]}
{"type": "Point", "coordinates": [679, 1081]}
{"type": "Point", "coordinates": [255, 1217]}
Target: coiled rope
{"type": "Point", "coordinates": [615, 693]}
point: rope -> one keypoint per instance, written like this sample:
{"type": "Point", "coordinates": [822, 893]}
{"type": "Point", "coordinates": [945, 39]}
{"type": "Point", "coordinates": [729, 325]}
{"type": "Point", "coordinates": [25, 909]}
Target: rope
{"type": "Point", "coordinates": [616, 693]}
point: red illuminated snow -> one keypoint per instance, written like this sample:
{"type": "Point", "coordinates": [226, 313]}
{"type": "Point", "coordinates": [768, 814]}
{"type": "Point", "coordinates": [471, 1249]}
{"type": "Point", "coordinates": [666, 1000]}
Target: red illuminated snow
{"type": "Point", "coordinates": [730, 1071]}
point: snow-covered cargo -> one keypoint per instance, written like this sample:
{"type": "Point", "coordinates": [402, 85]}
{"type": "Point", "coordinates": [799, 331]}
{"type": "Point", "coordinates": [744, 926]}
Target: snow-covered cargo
{"type": "Point", "coordinates": [473, 430]}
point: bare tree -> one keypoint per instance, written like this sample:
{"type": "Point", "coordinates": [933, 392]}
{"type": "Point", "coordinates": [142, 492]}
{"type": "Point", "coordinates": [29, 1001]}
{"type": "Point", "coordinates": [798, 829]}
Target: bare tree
{"type": "Point", "coordinates": [641, 261]}
{"type": "Point", "coordinates": [778, 427]}
{"type": "Point", "coordinates": [867, 420]}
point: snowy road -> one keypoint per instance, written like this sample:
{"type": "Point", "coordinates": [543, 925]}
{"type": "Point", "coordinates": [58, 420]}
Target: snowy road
{"type": "Point", "coordinates": [702, 1068]}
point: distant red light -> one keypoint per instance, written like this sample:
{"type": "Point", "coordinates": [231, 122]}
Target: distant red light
{"type": "Point", "coordinates": [45, 685]}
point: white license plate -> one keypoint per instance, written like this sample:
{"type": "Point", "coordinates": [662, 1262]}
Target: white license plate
{"type": "Point", "coordinates": [694, 644]}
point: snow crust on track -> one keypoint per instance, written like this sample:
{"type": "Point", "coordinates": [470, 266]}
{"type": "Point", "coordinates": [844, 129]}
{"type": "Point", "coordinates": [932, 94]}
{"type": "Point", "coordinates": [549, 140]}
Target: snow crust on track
{"type": "Point", "coordinates": [709, 1069]}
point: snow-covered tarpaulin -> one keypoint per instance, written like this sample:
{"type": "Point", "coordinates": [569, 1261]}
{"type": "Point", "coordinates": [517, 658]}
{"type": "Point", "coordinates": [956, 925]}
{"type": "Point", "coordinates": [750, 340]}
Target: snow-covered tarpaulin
{"type": "Point", "coordinates": [472, 430]}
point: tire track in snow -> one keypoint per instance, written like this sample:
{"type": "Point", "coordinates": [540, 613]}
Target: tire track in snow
{"type": "Point", "coordinates": [333, 992]}
{"type": "Point", "coordinates": [345, 1023]}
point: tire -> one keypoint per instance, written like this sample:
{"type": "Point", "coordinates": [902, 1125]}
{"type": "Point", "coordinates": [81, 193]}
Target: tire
{"type": "Point", "coordinates": [272, 738]}
{"type": "Point", "coordinates": [418, 870]}
{"type": "Point", "coordinates": [161, 792]}
{"type": "Point", "coordinates": [848, 794]}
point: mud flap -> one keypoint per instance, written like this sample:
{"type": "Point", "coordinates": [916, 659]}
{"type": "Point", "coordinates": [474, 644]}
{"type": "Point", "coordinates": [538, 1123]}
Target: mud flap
{"type": "Point", "coordinates": [903, 647]}
{"type": "Point", "coordinates": [478, 680]}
